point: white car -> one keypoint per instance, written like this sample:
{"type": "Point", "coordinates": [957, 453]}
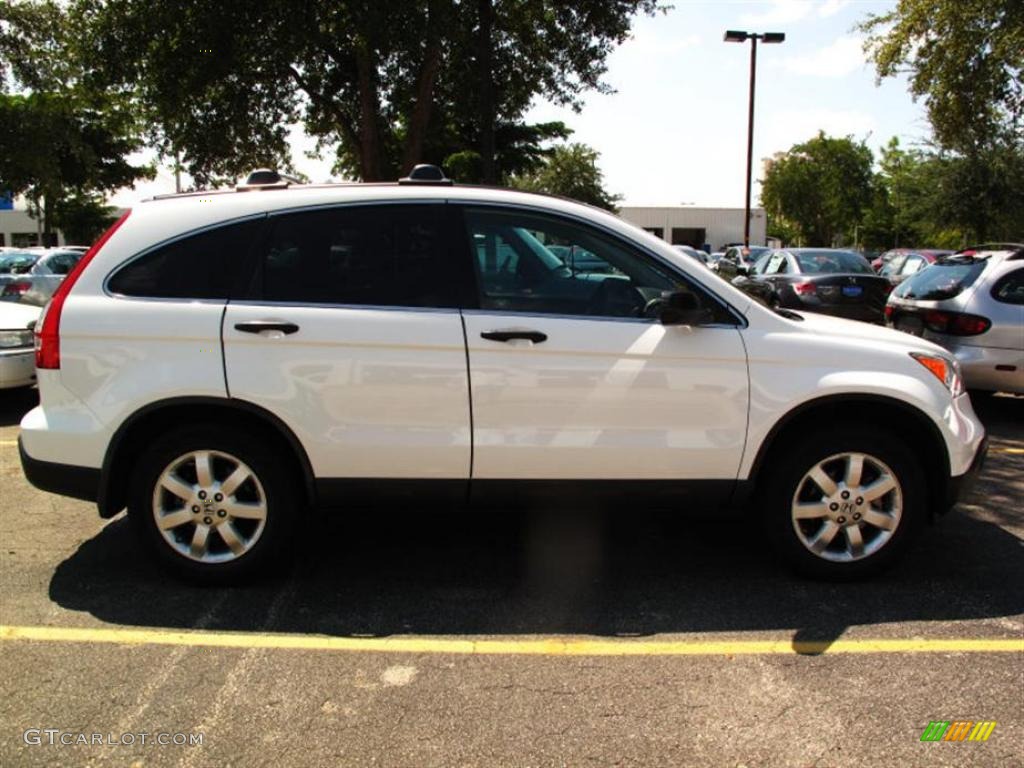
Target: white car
{"type": "Point", "coordinates": [223, 363]}
{"type": "Point", "coordinates": [17, 360]}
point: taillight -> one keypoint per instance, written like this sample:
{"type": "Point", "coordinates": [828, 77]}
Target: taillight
{"type": "Point", "coordinates": [955, 323]}
{"type": "Point", "coordinates": [16, 289]}
{"type": "Point", "coordinates": [804, 289]}
{"type": "Point", "coordinates": [48, 325]}
{"type": "Point", "coordinates": [889, 309]}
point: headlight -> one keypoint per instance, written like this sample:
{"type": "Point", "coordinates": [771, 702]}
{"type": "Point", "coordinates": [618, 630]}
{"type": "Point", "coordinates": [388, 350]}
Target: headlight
{"type": "Point", "coordinates": [945, 369]}
{"type": "Point", "coordinates": [15, 339]}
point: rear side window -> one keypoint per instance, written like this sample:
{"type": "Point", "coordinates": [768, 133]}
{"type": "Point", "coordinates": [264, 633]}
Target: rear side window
{"type": "Point", "coordinates": [942, 280]}
{"type": "Point", "coordinates": [389, 255]}
{"type": "Point", "coordinates": [199, 266]}
{"type": "Point", "coordinates": [1009, 289]}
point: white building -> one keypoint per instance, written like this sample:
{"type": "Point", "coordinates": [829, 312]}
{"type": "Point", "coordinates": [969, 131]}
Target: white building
{"type": "Point", "coordinates": [697, 227]}
{"type": "Point", "coordinates": [19, 230]}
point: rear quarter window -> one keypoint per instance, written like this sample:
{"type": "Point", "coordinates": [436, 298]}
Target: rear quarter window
{"type": "Point", "coordinates": [198, 266]}
{"type": "Point", "coordinates": [1009, 289]}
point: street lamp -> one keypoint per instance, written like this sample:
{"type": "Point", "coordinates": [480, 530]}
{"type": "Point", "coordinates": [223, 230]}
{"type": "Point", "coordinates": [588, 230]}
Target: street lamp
{"type": "Point", "coordinates": [737, 36]}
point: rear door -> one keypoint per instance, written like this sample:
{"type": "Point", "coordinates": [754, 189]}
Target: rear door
{"type": "Point", "coordinates": [573, 380]}
{"type": "Point", "coordinates": [351, 334]}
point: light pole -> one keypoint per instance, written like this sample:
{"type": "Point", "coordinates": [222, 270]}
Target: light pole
{"type": "Point", "coordinates": [735, 36]}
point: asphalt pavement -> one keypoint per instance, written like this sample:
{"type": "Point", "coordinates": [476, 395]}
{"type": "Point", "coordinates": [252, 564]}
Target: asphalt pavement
{"type": "Point", "coordinates": [540, 638]}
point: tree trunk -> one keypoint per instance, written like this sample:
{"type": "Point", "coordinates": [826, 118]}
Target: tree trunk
{"type": "Point", "coordinates": [419, 120]}
{"type": "Point", "coordinates": [486, 79]}
{"type": "Point", "coordinates": [369, 112]}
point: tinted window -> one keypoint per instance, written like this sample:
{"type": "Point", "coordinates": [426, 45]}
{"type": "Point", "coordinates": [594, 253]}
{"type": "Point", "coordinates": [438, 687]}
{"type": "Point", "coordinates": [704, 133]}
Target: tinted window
{"type": "Point", "coordinates": [199, 266]}
{"type": "Point", "coordinates": [377, 256]}
{"type": "Point", "coordinates": [942, 280]}
{"type": "Point", "coordinates": [519, 269]}
{"type": "Point", "coordinates": [1010, 288]}
{"type": "Point", "coordinates": [833, 262]}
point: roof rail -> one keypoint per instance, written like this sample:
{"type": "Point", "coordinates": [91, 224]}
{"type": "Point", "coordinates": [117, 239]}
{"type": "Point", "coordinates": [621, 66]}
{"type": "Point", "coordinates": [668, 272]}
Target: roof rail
{"type": "Point", "coordinates": [426, 175]}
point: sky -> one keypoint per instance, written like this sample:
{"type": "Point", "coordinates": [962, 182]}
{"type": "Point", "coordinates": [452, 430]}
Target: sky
{"type": "Point", "coordinates": [675, 129]}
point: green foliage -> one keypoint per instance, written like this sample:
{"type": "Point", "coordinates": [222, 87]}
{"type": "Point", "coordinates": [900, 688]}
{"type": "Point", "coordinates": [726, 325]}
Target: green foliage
{"type": "Point", "coordinates": [965, 58]}
{"type": "Point", "coordinates": [83, 217]}
{"type": "Point", "coordinates": [570, 171]}
{"type": "Point", "coordinates": [61, 142]}
{"type": "Point", "coordinates": [818, 189]}
{"type": "Point", "coordinates": [387, 83]}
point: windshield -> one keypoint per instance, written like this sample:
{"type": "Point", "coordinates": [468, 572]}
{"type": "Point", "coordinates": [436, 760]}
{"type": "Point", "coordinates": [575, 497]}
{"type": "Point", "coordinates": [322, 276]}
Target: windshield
{"type": "Point", "coordinates": [942, 280]}
{"type": "Point", "coordinates": [833, 262]}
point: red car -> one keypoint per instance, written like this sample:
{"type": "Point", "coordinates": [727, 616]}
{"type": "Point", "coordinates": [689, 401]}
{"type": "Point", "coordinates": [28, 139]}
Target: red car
{"type": "Point", "coordinates": [900, 263]}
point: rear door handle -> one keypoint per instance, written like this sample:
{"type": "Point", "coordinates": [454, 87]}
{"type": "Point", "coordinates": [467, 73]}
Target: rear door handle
{"type": "Point", "coordinates": [535, 336]}
{"type": "Point", "coordinates": [258, 326]}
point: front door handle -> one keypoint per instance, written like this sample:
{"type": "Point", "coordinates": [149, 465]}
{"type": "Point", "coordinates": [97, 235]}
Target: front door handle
{"type": "Point", "coordinates": [258, 326]}
{"type": "Point", "coordinates": [535, 336]}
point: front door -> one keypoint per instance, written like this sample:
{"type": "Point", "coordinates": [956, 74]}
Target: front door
{"type": "Point", "coordinates": [572, 378]}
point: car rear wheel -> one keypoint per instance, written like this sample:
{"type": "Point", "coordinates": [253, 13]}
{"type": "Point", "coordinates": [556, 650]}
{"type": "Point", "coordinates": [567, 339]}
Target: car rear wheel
{"type": "Point", "coordinates": [213, 503]}
{"type": "Point", "coordinates": [844, 504]}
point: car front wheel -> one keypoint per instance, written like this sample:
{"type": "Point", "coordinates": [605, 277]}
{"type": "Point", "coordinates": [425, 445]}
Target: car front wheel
{"type": "Point", "coordinates": [844, 504]}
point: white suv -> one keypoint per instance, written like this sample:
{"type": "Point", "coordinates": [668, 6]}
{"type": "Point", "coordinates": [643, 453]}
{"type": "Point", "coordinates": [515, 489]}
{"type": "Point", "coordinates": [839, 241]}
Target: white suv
{"type": "Point", "coordinates": [223, 363]}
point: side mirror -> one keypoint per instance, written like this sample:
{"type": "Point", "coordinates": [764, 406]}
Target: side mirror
{"type": "Point", "coordinates": [742, 269]}
{"type": "Point", "coordinates": [681, 308]}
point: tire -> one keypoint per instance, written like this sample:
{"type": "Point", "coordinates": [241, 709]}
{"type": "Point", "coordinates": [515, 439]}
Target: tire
{"type": "Point", "coordinates": [213, 538]}
{"type": "Point", "coordinates": [826, 535]}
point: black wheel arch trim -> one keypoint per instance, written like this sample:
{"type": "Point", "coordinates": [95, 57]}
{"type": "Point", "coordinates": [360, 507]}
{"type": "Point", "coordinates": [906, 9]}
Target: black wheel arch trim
{"type": "Point", "coordinates": [749, 485]}
{"type": "Point", "coordinates": [111, 500]}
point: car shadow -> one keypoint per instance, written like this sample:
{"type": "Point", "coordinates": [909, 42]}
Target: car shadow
{"type": "Point", "coordinates": [550, 573]}
{"type": "Point", "coordinates": [15, 403]}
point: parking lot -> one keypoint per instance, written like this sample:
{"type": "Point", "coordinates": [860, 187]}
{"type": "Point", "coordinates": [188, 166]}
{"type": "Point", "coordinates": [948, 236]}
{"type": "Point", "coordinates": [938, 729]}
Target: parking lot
{"type": "Point", "coordinates": [551, 637]}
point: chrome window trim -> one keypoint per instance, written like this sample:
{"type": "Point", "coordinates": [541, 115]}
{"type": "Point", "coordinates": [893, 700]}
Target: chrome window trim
{"type": "Point", "coordinates": [329, 305]}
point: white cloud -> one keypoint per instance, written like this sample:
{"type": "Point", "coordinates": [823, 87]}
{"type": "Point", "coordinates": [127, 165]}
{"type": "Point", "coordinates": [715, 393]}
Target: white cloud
{"type": "Point", "coordinates": [831, 7]}
{"type": "Point", "coordinates": [780, 12]}
{"type": "Point", "coordinates": [840, 57]}
{"type": "Point", "coordinates": [780, 129]}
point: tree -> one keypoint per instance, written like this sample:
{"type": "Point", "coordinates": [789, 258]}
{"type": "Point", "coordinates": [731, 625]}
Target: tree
{"type": "Point", "coordinates": [819, 188]}
{"type": "Point", "coordinates": [570, 171]}
{"type": "Point", "coordinates": [964, 57]}
{"type": "Point", "coordinates": [60, 142]}
{"type": "Point", "coordinates": [387, 82]}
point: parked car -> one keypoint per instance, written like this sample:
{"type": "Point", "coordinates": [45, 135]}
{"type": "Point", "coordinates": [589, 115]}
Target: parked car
{"type": "Point", "coordinates": [738, 260]}
{"type": "Point", "coordinates": [972, 303]}
{"type": "Point", "coordinates": [579, 259]}
{"type": "Point", "coordinates": [906, 262]}
{"type": "Point", "coordinates": [222, 369]}
{"type": "Point", "coordinates": [37, 284]}
{"type": "Point", "coordinates": [15, 263]}
{"type": "Point", "coordinates": [17, 359]}
{"type": "Point", "coordinates": [829, 281]}
{"type": "Point", "coordinates": [693, 253]}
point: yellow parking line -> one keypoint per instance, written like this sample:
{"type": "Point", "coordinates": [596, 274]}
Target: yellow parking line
{"type": "Point", "coordinates": [553, 646]}
{"type": "Point", "coordinates": [6, 443]}
{"type": "Point", "coordinates": [1007, 450]}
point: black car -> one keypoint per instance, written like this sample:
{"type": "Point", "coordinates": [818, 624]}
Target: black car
{"type": "Point", "coordinates": [829, 281]}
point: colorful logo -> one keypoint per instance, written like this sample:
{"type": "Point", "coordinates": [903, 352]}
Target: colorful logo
{"type": "Point", "coordinates": [958, 730]}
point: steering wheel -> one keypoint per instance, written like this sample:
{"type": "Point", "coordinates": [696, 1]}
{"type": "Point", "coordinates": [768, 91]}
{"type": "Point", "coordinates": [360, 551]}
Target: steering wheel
{"type": "Point", "coordinates": [613, 294]}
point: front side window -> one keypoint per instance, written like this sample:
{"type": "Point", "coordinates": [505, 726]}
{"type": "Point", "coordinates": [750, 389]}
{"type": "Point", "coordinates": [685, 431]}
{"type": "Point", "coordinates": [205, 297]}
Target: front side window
{"type": "Point", "coordinates": [390, 255]}
{"type": "Point", "coordinates": [199, 266]}
{"type": "Point", "coordinates": [542, 264]}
